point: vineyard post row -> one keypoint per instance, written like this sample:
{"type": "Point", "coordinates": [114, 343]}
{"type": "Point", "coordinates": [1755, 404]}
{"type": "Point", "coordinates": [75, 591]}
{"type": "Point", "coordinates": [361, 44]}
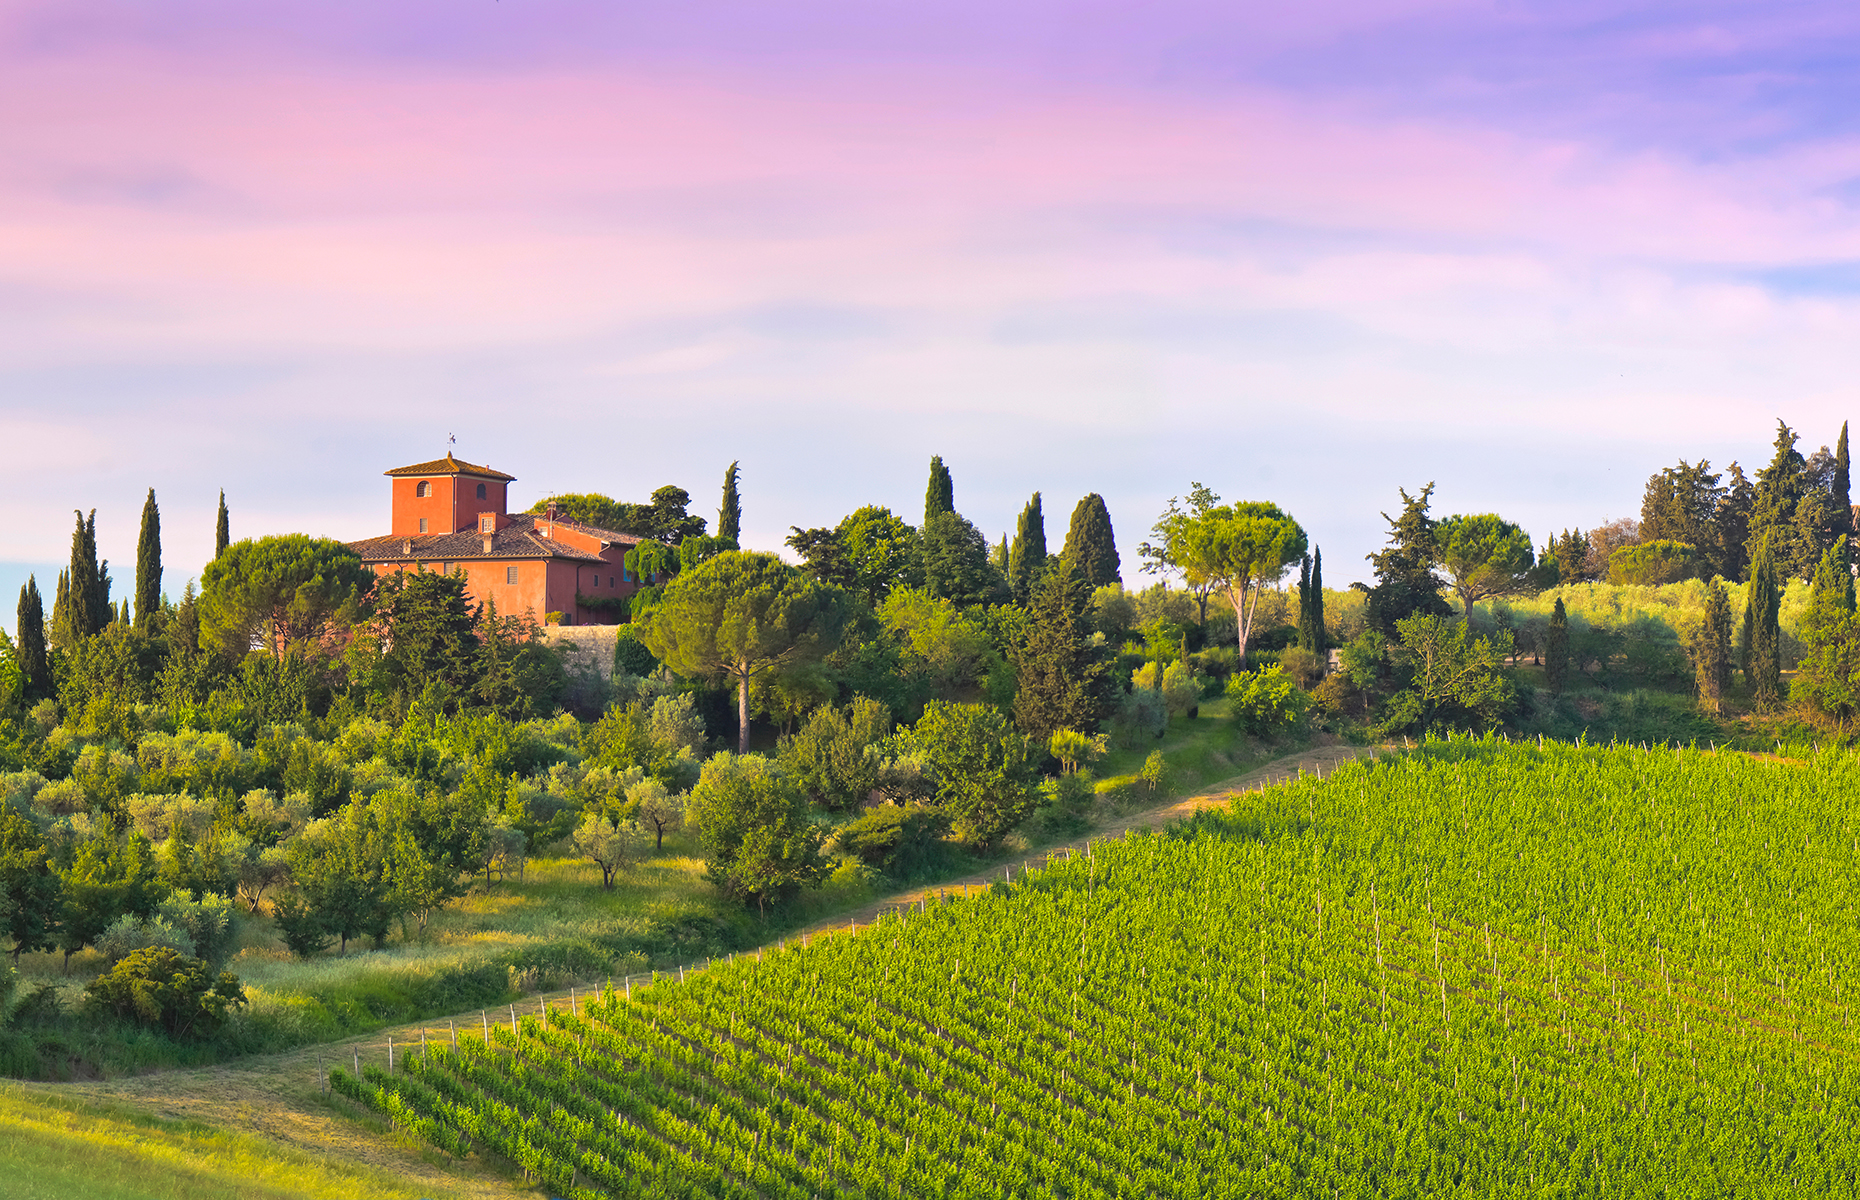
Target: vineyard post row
{"type": "Point", "coordinates": [692, 968]}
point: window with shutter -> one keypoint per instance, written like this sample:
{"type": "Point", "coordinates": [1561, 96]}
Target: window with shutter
{"type": "Point", "coordinates": [510, 574]}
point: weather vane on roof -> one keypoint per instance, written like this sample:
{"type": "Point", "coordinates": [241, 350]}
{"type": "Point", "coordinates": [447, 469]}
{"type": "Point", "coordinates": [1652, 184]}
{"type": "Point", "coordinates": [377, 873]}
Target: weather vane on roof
{"type": "Point", "coordinates": [451, 441]}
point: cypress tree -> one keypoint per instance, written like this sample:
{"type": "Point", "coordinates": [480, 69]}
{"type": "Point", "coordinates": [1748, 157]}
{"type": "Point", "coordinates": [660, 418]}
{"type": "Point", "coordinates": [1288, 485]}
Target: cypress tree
{"type": "Point", "coordinates": [999, 556]}
{"type": "Point", "coordinates": [1556, 648]}
{"type": "Point", "coordinates": [1763, 636]}
{"type": "Point", "coordinates": [1780, 488]}
{"type": "Point", "coordinates": [1311, 603]}
{"type": "Point", "coordinates": [222, 528]}
{"type": "Point", "coordinates": [940, 496]}
{"type": "Point", "coordinates": [61, 612]}
{"type": "Point", "coordinates": [1091, 547]}
{"type": "Point", "coordinates": [1712, 652]}
{"type": "Point", "coordinates": [1064, 682]}
{"type": "Point", "coordinates": [1304, 604]}
{"type": "Point", "coordinates": [1318, 631]}
{"type": "Point", "coordinates": [1840, 496]}
{"type": "Point", "coordinates": [1028, 558]}
{"type": "Point", "coordinates": [33, 662]}
{"type": "Point", "coordinates": [148, 564]}
{"type": "Point", "coordinates": [730, 515]}
{"type": "Point", "coordinates": [87, 602]}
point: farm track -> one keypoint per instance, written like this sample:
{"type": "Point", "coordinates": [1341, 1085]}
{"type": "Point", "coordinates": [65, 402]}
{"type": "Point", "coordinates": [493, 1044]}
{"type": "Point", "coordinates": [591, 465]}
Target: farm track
{"type": "Point", "coordinates": [279, 1096]}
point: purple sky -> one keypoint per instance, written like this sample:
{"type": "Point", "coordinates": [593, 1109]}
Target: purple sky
{"type": "Point", "coordinates": [1531, 251]}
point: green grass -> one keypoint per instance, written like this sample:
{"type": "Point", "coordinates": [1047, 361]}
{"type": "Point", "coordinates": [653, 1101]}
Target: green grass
{"type": "Point", "coordinates": [52, 1147]}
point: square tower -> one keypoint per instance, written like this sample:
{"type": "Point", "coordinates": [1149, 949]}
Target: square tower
{"type": "Point", "coordinates": [446, 496]}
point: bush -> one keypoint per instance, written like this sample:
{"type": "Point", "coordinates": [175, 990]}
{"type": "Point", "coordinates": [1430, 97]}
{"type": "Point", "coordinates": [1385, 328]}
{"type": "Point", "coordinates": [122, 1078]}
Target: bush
{"type": "Point", "coordinates": [301, 926]}
{"type": "Point", "coordinates": [208, 922]}
{"type": "Point", "coordinates": [1065, 802]}
{"type": "Point", "coordinates": [1155, 773]}
{"type": "Point", "coordinates": [1304, 666]}
{"type": "Point", "coordinates": [129, 934]}
{"type": "Point", "coordinates": [893, 838]}
{"type": "Point", "coordinates": [1181, 693]}
{"type": "Point", "coordinates": [158, 987]}
{"type": "Point", "coordinates": [1266, 703]}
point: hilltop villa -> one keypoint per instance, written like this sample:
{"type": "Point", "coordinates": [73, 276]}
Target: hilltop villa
{"type": "Point", "coordinates": [452, 516]}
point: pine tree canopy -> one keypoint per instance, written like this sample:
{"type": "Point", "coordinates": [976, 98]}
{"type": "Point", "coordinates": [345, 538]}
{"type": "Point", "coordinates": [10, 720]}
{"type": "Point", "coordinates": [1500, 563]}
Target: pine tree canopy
{"type": "Point", "coordinates": [1091, 546]}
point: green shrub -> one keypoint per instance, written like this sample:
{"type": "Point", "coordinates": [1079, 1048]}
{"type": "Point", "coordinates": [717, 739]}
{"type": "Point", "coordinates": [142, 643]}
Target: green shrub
{"type": "Point", "coordinates": [892, 837]}
{"type": "Point", "coordinates": [1266, 703]}
{"type": "Point", "coordinates": [157, 987]}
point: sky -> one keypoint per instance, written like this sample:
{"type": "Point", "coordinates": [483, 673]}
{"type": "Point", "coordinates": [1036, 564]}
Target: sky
{"type": "Point", "coordinates": [1313, 254]}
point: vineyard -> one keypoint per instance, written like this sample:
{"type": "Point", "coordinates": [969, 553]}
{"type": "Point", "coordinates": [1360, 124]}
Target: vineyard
{"type": "Point", "coordinates": [1472, 969]}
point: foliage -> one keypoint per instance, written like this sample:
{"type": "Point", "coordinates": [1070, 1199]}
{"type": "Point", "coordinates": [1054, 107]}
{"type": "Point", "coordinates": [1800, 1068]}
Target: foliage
{"type": "Point", "coordinates": [831, 758]}
{"type": "Point", "coordinates": [1650, 563]}
{"type": "Point", "coordinates": [980, 766]}
{"type": "Point", "coordinates": [1711, 648]}
{"type": "Point", "coordinates": [148, 564]}
{"type": "Point", "coordinates": [281, 593]}
{"type": "Point", "coordinates": [940, 495]}
{"type": "Point", "coordinates": [955, 563]}
{"type": "Point", "coordinates": [1074, 749]}
{"type": "Point", "coordinates": [1063, 674]}
{"type": "Point", "coordinates": [609, 844]}
{"type": "Point", "coordinates": [1405, 579]}
{"type": "Point", "coordinates": [1241, 548]}
{"type": "Point", "coordinates": [742, 616]}
{"type": "Point", "coordinates": [1761, 638]}
{"type": "Point", "coordinates": [1171, 552]}
{"type": "Point", "coordinates": [1454, 680]}
{"type": "Point", "coordinates": [663, 519]}
{"type": "Point", "coordinates": [1091, 545]}
{"type": "Point", "coordinates": [159, 987]}
{"type": "Point", "coordinates": [891, 837]}
{"type": "Point", "coordinates": [950, 650]}
{"type": "Point", "coordinates": [1829, 674]}
{"type": "Point", "coordinates": [1484, 555]}
{"type": "Point", "coordinates": [752, 821]}
{"type": "Point", "coordinates": [1266, 703]}
{"type": "Point", "coordinates": [870, 553]}
{"type": "Point", "coordinates": [1556, 648]}
{"type": "Point", "coordinates": [1027, 556]}
{"type": "Point", "coordinates": [730, 511]}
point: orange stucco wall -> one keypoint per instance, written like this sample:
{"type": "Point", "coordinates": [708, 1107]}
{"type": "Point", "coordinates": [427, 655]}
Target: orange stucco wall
{"type": "Point", "coordinates": [454, 504]}
{"type": "Point", "coordinates": [543, 585]}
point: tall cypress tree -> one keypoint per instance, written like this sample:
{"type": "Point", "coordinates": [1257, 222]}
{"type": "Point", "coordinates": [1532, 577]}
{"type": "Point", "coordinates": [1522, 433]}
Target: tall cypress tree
{"type": "Point", "coordinates": [1712, 651]}
{"type": "Point", "coordinates": [1028, 558]}
{"type": "Point", "coordinates": [1762, 634]}
{"type": "Point", "coordinates": [33, 662]}
{"type": "Point", "coordinates": [222, 528]}
{"type": "Point", "coordinates": [1556, 648]}
{"type": "Point", "coordinates": [1091, 547]}
{"type": "Point", "coordinates": [87, 603]}
{"type": "Point", "coordinates": [940, 496]}
{"type": "Point", "coordinates": [1780, 488]}
{"type": "Point", "coordinates": [1064, 681]}
{"type": "Point", "coordinates": [61, 613]}
{"type": "Point", "coordinates": [1840, 497]}
{"type": "Point", "coordinates": [1311, 603]}
{"type": "Point", "coordinates": [999, 556]}
{"type": "Point", "coordinates": [730, 514]}
{"type": "Point", "coordinates": [148, 564]}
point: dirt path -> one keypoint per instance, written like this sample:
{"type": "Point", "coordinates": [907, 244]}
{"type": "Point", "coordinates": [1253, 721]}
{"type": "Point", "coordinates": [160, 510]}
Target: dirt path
{"type": "Point", "coordinates": [279, 1096]}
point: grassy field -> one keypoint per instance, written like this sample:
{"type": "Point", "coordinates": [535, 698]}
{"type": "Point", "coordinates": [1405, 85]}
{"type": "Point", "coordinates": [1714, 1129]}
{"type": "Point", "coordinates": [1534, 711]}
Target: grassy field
{"type": "Point", "coordinates": [54, 1147]}
{"type": "Point", "coordinates": [1478, 968]}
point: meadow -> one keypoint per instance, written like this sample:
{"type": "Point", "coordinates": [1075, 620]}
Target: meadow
{"type": "Point", "coordinates": [1477, 968]}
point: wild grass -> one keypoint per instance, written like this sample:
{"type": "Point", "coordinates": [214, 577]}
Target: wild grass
{"type": "Point", "coordinates": [54, 1147]}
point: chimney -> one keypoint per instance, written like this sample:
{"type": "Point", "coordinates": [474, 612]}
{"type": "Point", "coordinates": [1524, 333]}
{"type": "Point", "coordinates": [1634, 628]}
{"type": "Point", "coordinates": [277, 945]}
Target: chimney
{"type": "Point", "coordinates": [406, 547]}
{"type": "Point", "coordinates": [487, 525]}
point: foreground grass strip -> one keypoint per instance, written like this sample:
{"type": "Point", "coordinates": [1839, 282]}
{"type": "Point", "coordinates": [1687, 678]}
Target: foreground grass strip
{"type": "Point", "coordinates": [55, 1148]}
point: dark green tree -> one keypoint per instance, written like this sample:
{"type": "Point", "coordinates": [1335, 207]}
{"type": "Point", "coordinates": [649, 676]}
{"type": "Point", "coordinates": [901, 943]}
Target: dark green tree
{"type": "Point", "coordinates": [29, 892]}
{"type": "Point", "coordinates": [1454, 679]}
{"type": "Point", "coordinates": [1405, 580]}
{"type": "Point", "coordinates": [1732, 521]}
{"type": "Point", "coordinates": [1840, 497]}
{"type": "Point", "coordinates": [1027, 559]}
{"type": "Point", "coordinates": [87, 602]}
{"type": "Point", "coordinates": [955, 562]}
{"type": "Point", "coordinates": [742, 617]}
{"type": "Point", "coordinates": [827, 756]}
{"type": "Point", "coordinates": [148, 564]}
{"type": "Point", "coordinates": [280, 592]}
{"type": "Point", "coordinates": [103, 878]}
{"type": "Point", "coordinates": [1171, 552]}
{"type": "Point", "coordinates": [1556, 648]}
{"type": "Point", "coordinates": [1064, 680]}
{"type": "Point", "coordinates": [1828, 677]}
{"type": "Point", "coordinates": [1711, 647]}
{"type": "Point", "coordinates": [981, 768]}
{"type": "Point", "coordinates": [1091, 546]}
{"type": "Point", "coordinates": [341, 876]}
{"type": "Point", "coordinates": [1762, 634]}
{"type": "Point", "coordinates": [752, 821]}
{"type": "Point", "coordinates": [1311, 633]}
{"type": "Point", "coordinates": [427, 630]}
{"type": "Point", "coordinates": [159, 987]}
{"type": "Point", "coordinates": [665, 519]}
{"type": "Point", "coordinates": [222, 528]}
{"type": "Point", "coordinates": [34, 664]}
{"type": "Point", "coordinates": [1680, 504]}
{"type": "Point", "coordinates": [730, 513]}
{"type": "Point", "coordinates": [1571, 553]}
{"type": "Point", "coordinates": [940, 496]}
{"type": "Point", "coordinates": [1780, 489]}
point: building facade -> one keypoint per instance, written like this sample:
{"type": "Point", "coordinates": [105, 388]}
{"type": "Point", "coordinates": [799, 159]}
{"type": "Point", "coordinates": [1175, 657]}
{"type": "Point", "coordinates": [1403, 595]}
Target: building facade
{"type": "Point", "coordinates": [452, 516]}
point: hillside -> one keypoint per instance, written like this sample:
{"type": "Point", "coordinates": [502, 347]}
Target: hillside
{"type": "Point", "coordinates": [1476, 968]}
